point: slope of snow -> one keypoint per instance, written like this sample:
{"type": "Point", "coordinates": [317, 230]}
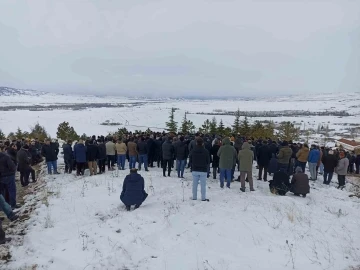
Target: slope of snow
{"type": "Point", "coordinates": [86, 226]}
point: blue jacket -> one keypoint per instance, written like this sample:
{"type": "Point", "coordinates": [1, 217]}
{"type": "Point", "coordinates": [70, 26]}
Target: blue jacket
{"type": "Point", "coordinates": [133, 192]}
{"type": "Point", "coordinates": [80, 153]}
{"type": "Point", "coordinates": [314, 156]}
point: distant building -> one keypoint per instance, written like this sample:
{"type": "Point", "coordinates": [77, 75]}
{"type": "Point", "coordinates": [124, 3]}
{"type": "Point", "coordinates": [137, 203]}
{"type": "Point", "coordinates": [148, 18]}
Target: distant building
{"type": "Point", "coordinates": [349, 145]}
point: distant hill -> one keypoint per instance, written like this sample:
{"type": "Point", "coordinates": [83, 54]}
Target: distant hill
{"type": "Point", "coordinates": [8, 91]}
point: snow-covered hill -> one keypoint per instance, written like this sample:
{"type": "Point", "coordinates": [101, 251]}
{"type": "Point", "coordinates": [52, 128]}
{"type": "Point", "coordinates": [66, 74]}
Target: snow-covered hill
{"type": "Point", "coordinates": [10, 92]}
{"type": "Point", "coordinates": [85, 226]}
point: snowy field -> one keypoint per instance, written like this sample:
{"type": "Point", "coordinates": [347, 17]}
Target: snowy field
{"type": "Point", "coordinates": [85, 226]}
{"type": "Point", "coordinates": [155, 113]}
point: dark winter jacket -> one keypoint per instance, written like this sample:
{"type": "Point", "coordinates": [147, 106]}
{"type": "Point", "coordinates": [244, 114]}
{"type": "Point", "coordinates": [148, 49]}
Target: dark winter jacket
{"type": "Point", "coordinates": [158, 144]}
{"type": "Point", "coordinates": [7, 166]}
{"type": "Point", "coordinates": [102, 151]}
{"type": "Point", "coordinates": [80, 153]}
{"type": "Point", "coordinates": [133, 192]}
{"type": "Point", "coordinates": [12, 154]}
{"type": "Point", "coordinates": [227, 155]}
{"type": "Point", "coordinates": [274, 149]}
{"type": "Point", "coordinates": [264, 155]}
{"type": "Point", "coordinates": [273, 165]}
{"type": "Point", "coordinates": [330, 162]}
{"type": "Point", "coordinates": [300, 183]}
{"type": "Point", "coordinates": [68, 152]}
{"type": "Point", "coordinates": [50, 152]}
{"type": "Point", "coordinates": [200, 159]}
{"type": "Point", "coordinates": [280, 183]}
{"type": "Point", "coordinates": [92, 152]}
{"type": "Point", "coordinates": [23, 159]}
{"type": "Point", "coordinates": [151, 146]}
{"type": "Point", "coordinates": [168, 150]}
{"type": "Point", "coordinates": [33, 151]}
{"type": "Point", "coordinates": [215, 157]}
{"type": "Point", "coordinates": [142, 148]}
{"type": "Point", "coordinates": [181, 151]}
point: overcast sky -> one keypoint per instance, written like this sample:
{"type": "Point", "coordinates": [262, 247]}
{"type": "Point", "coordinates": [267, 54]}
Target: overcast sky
{"type": "Point", "coordinates": [181, 47]}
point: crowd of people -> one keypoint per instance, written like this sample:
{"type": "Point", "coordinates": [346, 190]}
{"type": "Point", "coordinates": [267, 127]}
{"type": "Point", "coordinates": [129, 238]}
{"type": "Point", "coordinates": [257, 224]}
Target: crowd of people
{"type": "Point", "coordinates": [200, 153]}
{"type": "Point", "coordinates": [224, 155]}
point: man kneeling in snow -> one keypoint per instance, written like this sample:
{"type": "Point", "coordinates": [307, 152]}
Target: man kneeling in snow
{"type": "Point", "coordinates": [300, 183]}
{"type": "Point", "coordinates": [133, 192]}
{"type": "Point", "coordinates": [280, 184]}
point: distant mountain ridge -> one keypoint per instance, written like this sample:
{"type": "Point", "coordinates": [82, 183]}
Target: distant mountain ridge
{"type": "Point", "coordinates": [9, 91]}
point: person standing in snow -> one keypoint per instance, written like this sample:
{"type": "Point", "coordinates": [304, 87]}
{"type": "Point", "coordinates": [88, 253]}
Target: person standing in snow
{"type": "Point", "coordinates": [200, 162]}
{"type": "Point", "coordinates": [92, 155]}
{"type": "Point", "coordinates": [227, 156]}
{"type": "Point", "coordinates": [132, 148]}
{"type": "Point", "coordinates": [168, 153]}
{"type": "Point", "coordinates": [102, 156]}
{"type": "Point", "coordinates": [133, 191]}
{"type": "Point", "coordinates": [68, 156]}
{"type": "Point", "coordinates": [330, 163]}
{"type": "Point", "coordinates": [313, 160]}
{"type": "Point", "coordinates": [110, 153]}
{"type": "Point", "coordinates": [50, 152]}
{"type": "Point", "coordinates": [263, 160]}
{"type": "Point", "coordinates": [80, 157]}
{"type": "Point", "coordinates": [143, 150]}
{"type": "Point", "coordinates": [7, 177]}
{"type": "Point", "coordinates": [284, 156]}
{"type": "Point", "coordinates": [24, 166]}
{"type": "Point", "coordinates": [342, 168]}
{"type": "Point", "coordinates": [181, 155]}
{"type": "Point", "coordinates": [246, 159]}
{"type": "Point", "coordinates": [302, 156]}
{"type": "Point", "coordinates": [215, 158]}
{"type": "Point", "coordinates": [121, 150]}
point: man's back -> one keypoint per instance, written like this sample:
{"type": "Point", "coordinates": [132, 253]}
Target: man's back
{"type": "Point", "coordinates": [200, 159]}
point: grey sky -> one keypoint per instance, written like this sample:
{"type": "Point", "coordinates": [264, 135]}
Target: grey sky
{"type": "Point", "coordinates": [187, 47]}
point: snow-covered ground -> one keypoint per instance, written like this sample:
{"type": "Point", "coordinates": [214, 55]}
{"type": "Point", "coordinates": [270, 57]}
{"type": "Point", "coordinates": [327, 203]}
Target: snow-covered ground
{"type": "Point", "coordinates": [153, 115]}
{"type": "Point", "coordinates": [85, 226]}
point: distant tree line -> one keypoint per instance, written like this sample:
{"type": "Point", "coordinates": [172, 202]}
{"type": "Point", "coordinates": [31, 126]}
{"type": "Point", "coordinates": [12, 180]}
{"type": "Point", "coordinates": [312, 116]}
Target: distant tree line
{"type": "Point", "coordinates": [291, 113]}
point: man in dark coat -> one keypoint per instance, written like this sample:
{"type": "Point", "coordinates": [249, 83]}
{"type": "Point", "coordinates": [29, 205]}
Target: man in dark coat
{"type": "Point", "coordinates": [158, 151]}
{"type": "Point", "coordinates": [300, 183]}
{"type": "Point", "coordinates": [68, 157]}
{"type": "Point", "coordinates": [200, 162]}
{"type": "Point", "coordinates": [168, 152]}
{"type": "Point", "coordinates": [12, 152]}
{"type": "Point", "coordinates": [151, 147]}
{"type": "Point", "coordinates": [330, 163]}
{"type": "Point", "coordinates": [215, 158]}
{"type": "Point", "coordinates": [24, 166]}
{"type": "Point", "coordinates": [102, 156]}
{"type": "Point", "coordinates": [92, 154]}
{"type": "Point", "coordinates": [181, 155]}
{"type": "Point", "coordinates": [7, 177]}
{"type": "Point", "coordinates": [133, 192]}
{"type": "Point", "coordinates": [143, 150]}
{"type": "Point", "coordinates": [50, 152]}
{"type": "Point", "coordinates": [263, 160]}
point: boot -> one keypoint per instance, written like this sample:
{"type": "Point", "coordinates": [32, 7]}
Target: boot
{"type": "Point", "coordinates": [128, 207]}
{"type": "Point", "coordinates": [242, 189]}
